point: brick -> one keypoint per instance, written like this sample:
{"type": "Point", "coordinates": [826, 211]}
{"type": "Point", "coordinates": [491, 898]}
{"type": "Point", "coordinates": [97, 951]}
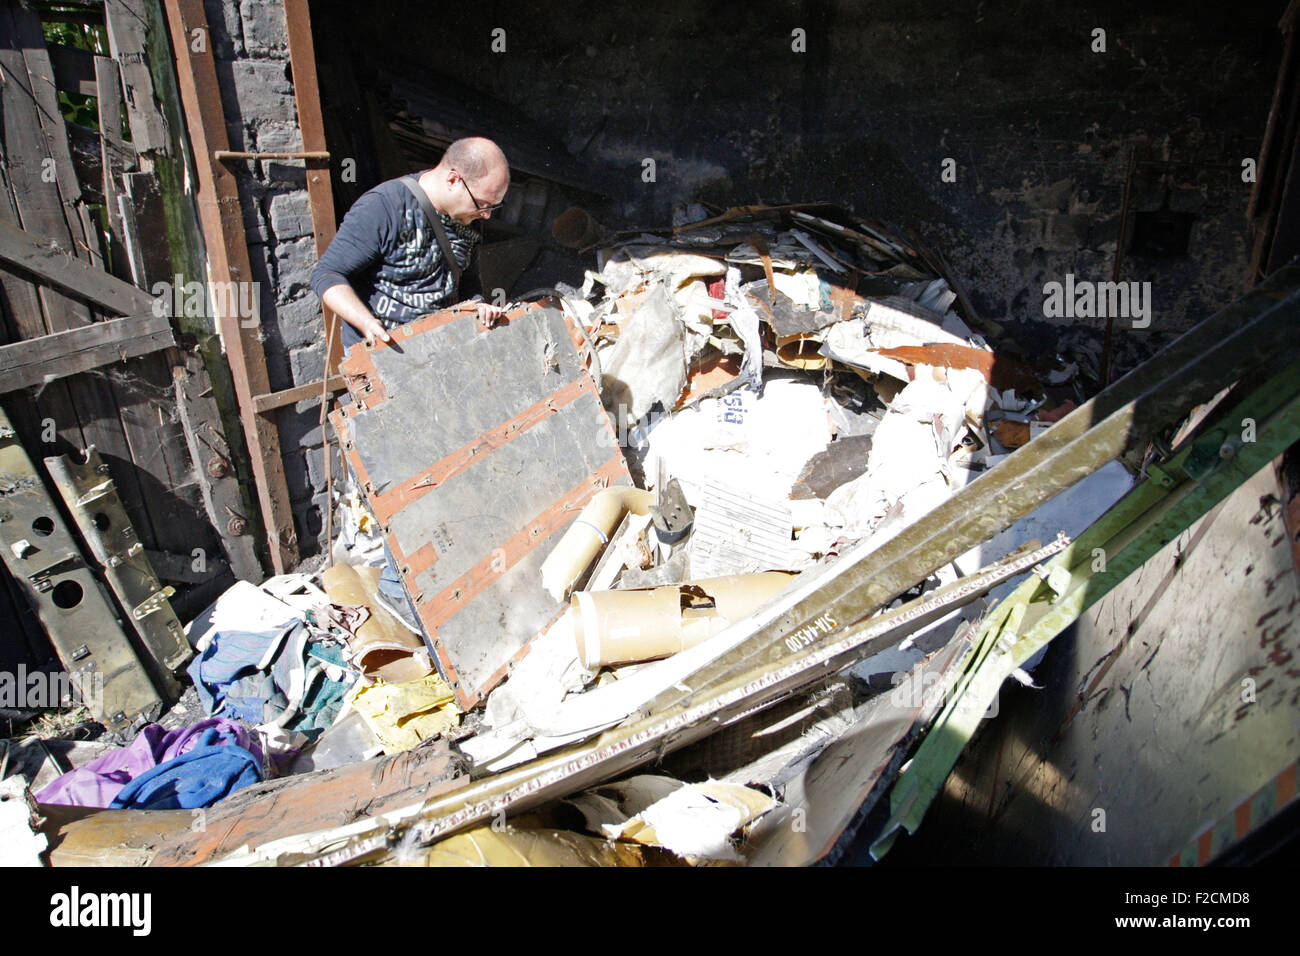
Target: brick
{"type": "Point", "coordinates": [294, 262]}
{"type": "Point", "coordinates": [279, 138]}
{"type": "Point", "coordinates": [282, 173]}
{"type": "Point", "coordinates": [296, 477]}
{"type": "Point", "coordinates": [264, 28]}
{"type": "Point", "coordinates": [299, 429]}
{"type": "Point", "coordinates": [316, 466]}
{"type": "Point", "coordinates": [308, 364]}
{"type": "Point", "coordinates": [262, 91]}
{"type": "Point", "coordinates": [299, 322]}
{"type": "Point", "coordinates": [309, 519]}
{"type": "Point", "coordinates": [291, 215]}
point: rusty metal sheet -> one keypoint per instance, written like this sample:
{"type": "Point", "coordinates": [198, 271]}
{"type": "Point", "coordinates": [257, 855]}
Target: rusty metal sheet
{"type": "Point", "coordinates": [475, 449]}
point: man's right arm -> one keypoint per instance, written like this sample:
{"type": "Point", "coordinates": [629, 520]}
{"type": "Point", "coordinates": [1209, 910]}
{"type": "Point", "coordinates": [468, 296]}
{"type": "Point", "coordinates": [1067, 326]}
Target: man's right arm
{"type": "Point", "coordinates": [357, 246]}
{"type": "Point", "coordinates": [343, 300]}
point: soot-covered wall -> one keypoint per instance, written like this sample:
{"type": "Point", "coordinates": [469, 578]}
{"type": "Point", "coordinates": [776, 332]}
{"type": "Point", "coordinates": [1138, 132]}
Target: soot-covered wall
{"type": "Point", "coordinates": [1004, 134]}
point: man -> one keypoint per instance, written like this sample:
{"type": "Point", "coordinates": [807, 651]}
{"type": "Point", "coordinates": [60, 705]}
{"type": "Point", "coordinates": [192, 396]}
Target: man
{"type": "Point", "coordinates": [386, 265]}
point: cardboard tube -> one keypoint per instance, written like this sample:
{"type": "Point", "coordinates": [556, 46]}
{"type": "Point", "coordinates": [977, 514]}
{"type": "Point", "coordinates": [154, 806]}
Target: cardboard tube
{"type": "Point", "coordinates": [641, 624]}
{"type": "Point", "coordinates": [383, 647]}
{"type": "Point", "coordinates": [800, 351]}
{"type": "Point", "coordinates": [588, 534]}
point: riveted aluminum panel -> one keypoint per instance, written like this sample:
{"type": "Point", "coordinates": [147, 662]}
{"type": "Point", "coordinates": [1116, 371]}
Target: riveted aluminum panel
{"type": "Point", "coordinates": [474, 450]}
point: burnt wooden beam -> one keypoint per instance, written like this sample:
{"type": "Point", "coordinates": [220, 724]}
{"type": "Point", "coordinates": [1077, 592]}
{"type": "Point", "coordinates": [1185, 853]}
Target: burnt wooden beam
{"type": "Point", "coordinates": [41, 360]}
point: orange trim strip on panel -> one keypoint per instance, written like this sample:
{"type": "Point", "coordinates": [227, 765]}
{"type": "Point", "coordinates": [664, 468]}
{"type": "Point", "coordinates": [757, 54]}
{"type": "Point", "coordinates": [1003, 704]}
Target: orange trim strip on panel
{"type": "Point", "coordinates": [473, 582]}
{"type": "Point", "coordinates": [415, 488]}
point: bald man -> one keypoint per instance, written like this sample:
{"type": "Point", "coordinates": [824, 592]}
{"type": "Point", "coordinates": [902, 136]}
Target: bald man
{"type": "Point", "coordinates": [387, 265]}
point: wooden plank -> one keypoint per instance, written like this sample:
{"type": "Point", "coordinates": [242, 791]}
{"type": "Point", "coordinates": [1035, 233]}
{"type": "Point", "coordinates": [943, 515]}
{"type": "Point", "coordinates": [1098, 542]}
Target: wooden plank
{"type": "Point", "coordinates": [148, 217]}
{"type": "Point", "coordinates": [300, 393]}
{"type": "Point", "coordinates": [31, 39]}
{"type": "Point", "coordinates": [215, 467]}
{"type": "Point", "coordinates": [74, 70]}
{"type": "Point", "coordinates": [114, 157]}
{"type": "Point", "coordinates": [87, 161]}
{"type": "Point", "coordinates": [160, 247]}
{"type": "Point", "coordinates": [223, 228]}
{"type": "Point", "coordinates": [40, 360]}
{"type": "Point", "coordinates": [320, 195]}
{"type": "Point", "coordinates": [51, 261]}
{"type": "Point", "coordinates": [22, 318]}
{"type": "Point", "coordinates": [127, 40]}
{"type": "Point", "coordinates": [27, 198]}
{"type": "Point", "coordinates": [306, 803]}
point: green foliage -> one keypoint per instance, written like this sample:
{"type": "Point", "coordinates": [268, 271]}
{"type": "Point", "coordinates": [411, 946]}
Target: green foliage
{"type": "Point", "coordinates": [80, 36]}
{"type": "Point", "coordinates": [79, 109]}
{"type": "Point", "coordinates": [76, 107]}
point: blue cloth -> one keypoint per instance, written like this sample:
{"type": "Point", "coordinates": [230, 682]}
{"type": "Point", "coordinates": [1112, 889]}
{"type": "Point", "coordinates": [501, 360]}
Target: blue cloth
{"type": "Point", "coordinates": [231, 683]}
{"type": "Point", "coordinates": [387, 251]}
{"type": "Point", "coordinates": [227, 678]}
{"type": "Point", "coordinates": [198, 778]}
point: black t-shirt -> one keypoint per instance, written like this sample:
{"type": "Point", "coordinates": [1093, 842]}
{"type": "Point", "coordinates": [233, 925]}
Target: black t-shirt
{"type": "Point", "coordinates": [387, 250]}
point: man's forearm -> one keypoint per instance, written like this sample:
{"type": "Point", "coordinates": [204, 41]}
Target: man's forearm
{"type": "Point", "coordinates": [345, 303]}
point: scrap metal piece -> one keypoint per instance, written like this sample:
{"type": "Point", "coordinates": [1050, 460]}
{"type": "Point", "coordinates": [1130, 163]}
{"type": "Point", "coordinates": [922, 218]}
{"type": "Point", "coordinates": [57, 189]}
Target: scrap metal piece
{"type": "Point", "coordinates": [672, 516]}
{"type": "Point", "coordinates": [79, 620]}
{"type": "Point", "coordinates": [472, 470]}
{"type": "Point", "coordinates": [92, 499]}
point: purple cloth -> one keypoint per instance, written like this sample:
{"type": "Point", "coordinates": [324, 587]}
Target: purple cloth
{"type": "Point", "coordinates": [98, 782]}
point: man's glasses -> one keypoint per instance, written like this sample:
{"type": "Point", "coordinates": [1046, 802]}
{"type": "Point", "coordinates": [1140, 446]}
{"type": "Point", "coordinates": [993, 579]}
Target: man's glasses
{"type": "Point", "coordinates": [478, 206]}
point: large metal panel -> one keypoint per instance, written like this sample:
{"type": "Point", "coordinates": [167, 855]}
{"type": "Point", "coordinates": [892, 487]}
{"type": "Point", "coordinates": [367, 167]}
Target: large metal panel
{"type": "Point", "coordinates": [475, 449]}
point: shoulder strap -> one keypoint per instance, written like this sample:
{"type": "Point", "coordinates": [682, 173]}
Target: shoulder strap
{"type": "Point", "coordinates": [413, 184]}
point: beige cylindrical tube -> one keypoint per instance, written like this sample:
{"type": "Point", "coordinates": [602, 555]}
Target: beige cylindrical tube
{"type": "Point", "coordinates": [800, 351]}
{"type": "Point", "coordinates": [641, 624]}
{"type": "Point", "coordinates": [382, 646]}
{"type": "Point", "coordinates": [588, 534]}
